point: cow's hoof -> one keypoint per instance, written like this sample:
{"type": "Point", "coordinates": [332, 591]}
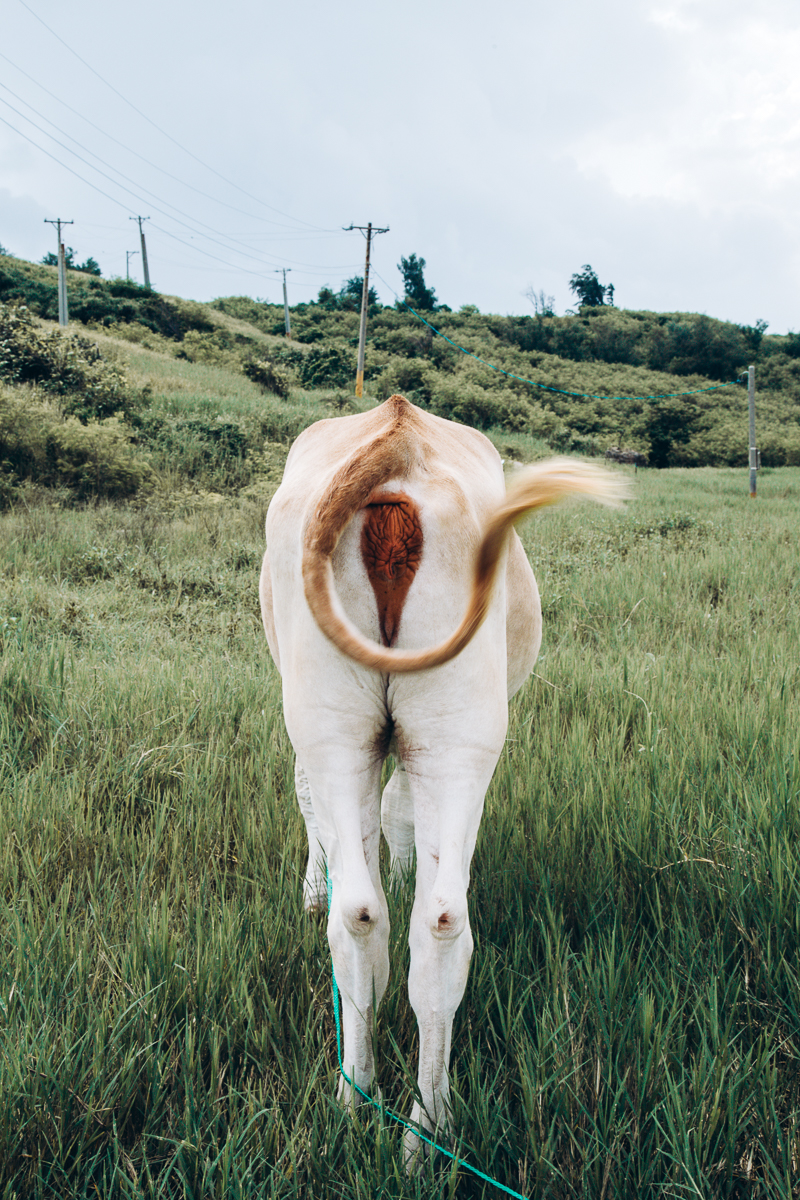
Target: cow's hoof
{"type": "Point", "coordinates": [416, 1153]}
{"type": "Point", "coordinates": [417, 1150]}
{"type": "Point", "coordinates": [350, 1096]}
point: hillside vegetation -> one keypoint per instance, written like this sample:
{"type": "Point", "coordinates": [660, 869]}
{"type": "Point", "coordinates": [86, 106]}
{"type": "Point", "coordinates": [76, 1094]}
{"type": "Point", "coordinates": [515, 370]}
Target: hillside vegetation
{"type": "Point", "coordinates": [147, 391]}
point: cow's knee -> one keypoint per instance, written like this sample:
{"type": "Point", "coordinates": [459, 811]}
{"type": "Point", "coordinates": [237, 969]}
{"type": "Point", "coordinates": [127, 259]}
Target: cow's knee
{"type": "Point", "coordinates": [447, 914]}
{"type": "Point", "coordinates": [360, 918]}
{"type": "Point", "coordinates": [361, 913]}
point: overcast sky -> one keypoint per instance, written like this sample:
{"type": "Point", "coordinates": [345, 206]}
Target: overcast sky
{"type": "Point", "coordinates": [507, 144]}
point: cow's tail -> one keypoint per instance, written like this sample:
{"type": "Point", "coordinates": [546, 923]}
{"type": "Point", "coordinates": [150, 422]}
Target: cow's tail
{"type": "Point", "coordinates": [531, 488]}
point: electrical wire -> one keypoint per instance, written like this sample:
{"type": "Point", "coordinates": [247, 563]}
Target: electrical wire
{"type": "Point", "coordinates": [155, 166]}
{"type": "Point", "coordinates": [208, 254]}
{"type": "Point", "coordinates": [229, 243]}
{"type": "Point", "coordinates": [263, 275]}
{"type": "Point", "coordinates": [94, 186]}
{"type": "Point", "coordinates": [253, 253]}
{"type": "Point", "coordinates": [116, 183]}
{"type": "Point", "coordinates": [163, 132]}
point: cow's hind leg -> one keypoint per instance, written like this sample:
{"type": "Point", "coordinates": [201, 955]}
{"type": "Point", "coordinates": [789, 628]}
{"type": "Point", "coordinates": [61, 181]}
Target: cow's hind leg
{"type": "Point", "coordinates": [346, 791]}
{"type": "Point", "coordinates": [315, 884]}
{"type": "Point", "coordinates": [397, 822]}
{"type": "Point", "coordinates": [448, 802]}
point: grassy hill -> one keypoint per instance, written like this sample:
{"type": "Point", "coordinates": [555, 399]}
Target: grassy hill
{"type": "Point", "coordinates": [630, 1025]}
{"type": "Point", "coordinates": [154, 392]}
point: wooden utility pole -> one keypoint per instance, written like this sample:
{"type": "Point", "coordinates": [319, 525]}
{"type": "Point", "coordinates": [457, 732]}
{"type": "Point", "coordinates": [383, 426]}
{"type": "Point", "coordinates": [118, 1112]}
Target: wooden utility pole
{"type": "Point", "coordinates": [63, 309]}
{"type": "Point", "coordinates": [128, 256]}
{"type": "Point", "coordinates": [369, 234]}
{"type": "Point", "coordinates": [751, 409]}
{"type": "Point", "coordinates": [144, 250]}
{"type": "Point", "coordinates": [285, 300]}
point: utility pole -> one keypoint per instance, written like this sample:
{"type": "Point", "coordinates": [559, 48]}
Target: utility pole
{"type": "Point", "coordinates": [285, 300]}
{"type": "Point", "coordinates": [751, 409]}
{"type": "Point", "coordinates": [128, 256]}
{"type": "Point", "coordinates": [63, 310]}
{"type": "Point", "coordinates": [369, 234]}
{"type": "Point", "coordinates": [144, 250]}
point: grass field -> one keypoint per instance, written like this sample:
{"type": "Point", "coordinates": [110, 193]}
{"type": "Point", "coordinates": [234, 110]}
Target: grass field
{"type": "Point", "coordinates": [631, 1026]}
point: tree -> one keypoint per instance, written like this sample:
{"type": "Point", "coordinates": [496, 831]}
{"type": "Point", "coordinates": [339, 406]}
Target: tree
{"type": "Point", "coordinates": [669, 422]}
{"type": "Point", "coordinates": [350, 294]}
{"type": "Point", "coordinates": [417, 295]}
{"type": "Point", "coordinates": [543, 305]}
{"type": "Point", "coordinates": [589, 290]}
{"type": "Point", "coordinates": [348, 298]}
{"type": "Point", "coordinates": [51, 260]}
{"type": "Point", "coordinates": [90, 267]}
{"type": "Point", "coordinates": [327, 298]}
{"type": "Point", "coordinates": [754, 334]}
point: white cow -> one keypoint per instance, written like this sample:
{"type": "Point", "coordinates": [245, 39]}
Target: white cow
{"type": "Point", "coordinates": [395, 527]}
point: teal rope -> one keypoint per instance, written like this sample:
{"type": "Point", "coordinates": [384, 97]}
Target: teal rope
{"type": "Point", "coordinates": [388, 1111]}
{"type": "Point", "coordinates": [546, 386]}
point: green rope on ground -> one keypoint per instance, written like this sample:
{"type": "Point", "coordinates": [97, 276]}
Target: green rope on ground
{"type": "Point", "coordinates": [561, 391]}
{"type": "Point", "coordinates": [394, 1116]}
{"type": "Point", "coordinates": [546, 386]}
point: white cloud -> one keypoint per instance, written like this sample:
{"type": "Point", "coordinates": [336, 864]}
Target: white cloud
{"type": "Point", "coordinates": [726, 135]}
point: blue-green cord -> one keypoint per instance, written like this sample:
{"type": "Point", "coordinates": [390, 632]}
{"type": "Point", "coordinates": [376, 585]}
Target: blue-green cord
{"type": "Point", "coordinates": [546, 386]}
{"type": "Point", "coordinates": [388, 1111]}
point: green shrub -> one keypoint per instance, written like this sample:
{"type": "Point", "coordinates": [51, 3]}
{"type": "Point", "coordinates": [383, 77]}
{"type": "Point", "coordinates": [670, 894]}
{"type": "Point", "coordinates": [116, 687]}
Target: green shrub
{"type": "Point", "coordinates": [224, 438]}
{"type": "Point", "coordinates": [327, 366]}
{"type": "Point", "coordinates": [67, 366]}
{"type": "Point", "coordinates": [266, 317]}
{"type": "Point", "coordinates": [270, 377]}
{"type": "Point", "coordinates": [695, 344]}
{"type": "Point", "coordinates": [669, 425]}
{"type": "Point", "coordinates": [410, 377]}
{"type": "Point", "coordinates": [92, 300]}
{"type": "Point", "coordinates": [90, 267]}
{"type": "Point", "coordinates": [462, 400]}
{"type": "Point", "coordinates": [39, 443]}
{"type": "Point", "coordinates": [212, 450]}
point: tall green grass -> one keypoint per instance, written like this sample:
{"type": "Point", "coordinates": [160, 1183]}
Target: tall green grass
{"type": "Point", "coordinates": [631, 1026]}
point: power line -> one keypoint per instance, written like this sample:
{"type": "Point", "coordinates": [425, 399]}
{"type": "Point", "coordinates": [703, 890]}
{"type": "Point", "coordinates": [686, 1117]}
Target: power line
{"type": "Point", "coordinates": [155, 166]}
{"type": "Point", "coordinates": [163, 132]}
{"type": "Point", "coordinates": [251, 252]}
{"type": "Point", "coordinates": [19, 132]}
{"type": "Point", "coordinates": [110, 167]}
{"type": "Point", "coordinates": [259, 274]}
{"type": "Point", "coordinates": [99, 159]}
{"type": "Point", "coordinates": [191, 228]}
{"type": "Point", "coordinates": [246, 270]}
